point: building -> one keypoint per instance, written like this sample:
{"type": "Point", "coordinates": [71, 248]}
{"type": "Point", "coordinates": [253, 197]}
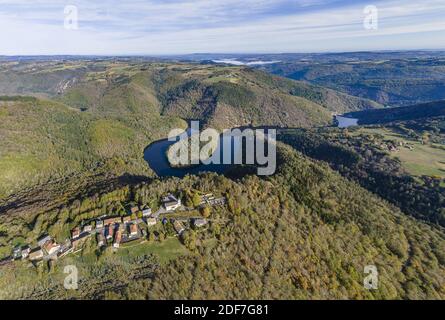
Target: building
{"type": "Point", "coordinates": [151, 221]}
{"type": "Point", "coordinates": [25, 251]}
{"type": "Point", "coordinates": [146, 212]}
{"type": "Point", "coordinates": [171, 203]}
{"type": "Point", "coordinates": [99, 224]}
{"type": "Point", "coordinates": [42, 240]}
{"type": "Point", "coordinates": [133, 230]}
{"type": "Point", "coordinates": [16, 253]}
{"type": "Point", "coordinates": [75, 233]}
{"type": "Point", "coordinates": [36, 254]}
{"type": "Point", "coordinates": [88, 228]}
{"type": "Point", "coordinates": [134, 210]}
{"type": "Point", "coordinates": [126, 219]}
{"type": "Point", "coordinates": [179, 228]}
{"type": "Point", "coordinates": [100, 239]}
{"type": "Point", "coordinates": [110, 232]}
{"type": "Point", "coordinates": [199, 222]}
{"type": "Point", "coordinates": [117, 239]}
{"type": "Point", "coordinates": [51, 247]}
{"type": "Point", "coordinates": [112, 220]}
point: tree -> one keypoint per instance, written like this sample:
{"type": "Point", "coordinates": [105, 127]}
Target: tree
{"type": "Point", "coordinates": [196, 199]}
{"type": "Point", "coordinates": [189, 239]}
{"type": "Point", "coordinates": [205, 212]}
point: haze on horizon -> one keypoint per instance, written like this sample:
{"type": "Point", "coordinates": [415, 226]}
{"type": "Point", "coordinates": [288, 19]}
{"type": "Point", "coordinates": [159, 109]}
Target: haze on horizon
{"type": "Point", "coordinates": [158, 27]}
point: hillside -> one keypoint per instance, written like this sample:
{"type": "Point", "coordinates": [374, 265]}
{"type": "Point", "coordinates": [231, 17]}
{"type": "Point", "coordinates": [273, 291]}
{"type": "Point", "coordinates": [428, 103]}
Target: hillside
{"type": "Point", "coordinates": [233, 96]}
{"type": "Point", "coordinates": [94, 118]}
{"type": "Point", "coordinates": [401, 163]}
{"type": "Point", "coordinates": [415, 112]}
{"type": "Point", "coordinates": [44, 141]}
{"type": "Point", "coordinates": [305, 233]}
{"type": "Point", "coordinates": [391, 79]}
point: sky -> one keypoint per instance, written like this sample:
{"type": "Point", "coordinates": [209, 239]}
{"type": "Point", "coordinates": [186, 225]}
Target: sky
{"type": "Point", "coordinates": [169, 27]}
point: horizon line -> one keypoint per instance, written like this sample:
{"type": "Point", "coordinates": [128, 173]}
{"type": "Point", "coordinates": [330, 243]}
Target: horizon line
{"type": "Point", "coordinates": [222, 53]}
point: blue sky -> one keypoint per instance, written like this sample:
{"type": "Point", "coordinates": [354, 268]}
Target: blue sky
{"type": "Point", "coordinates": [219, 26]}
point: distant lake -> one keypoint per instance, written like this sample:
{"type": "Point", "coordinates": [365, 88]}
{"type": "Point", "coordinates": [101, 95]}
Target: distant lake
{"type": "Point", "coordinates": [248, 63]}
{"type": "Point", "coordinates": [345, 122]}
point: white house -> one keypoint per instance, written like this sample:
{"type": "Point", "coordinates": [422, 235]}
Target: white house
{"type": "Point", "coordinates": [99, 224]}
{"type": "Point", "coordinates": [146, 212]}
{"type": "Point", "coordinates": [199, 222]}
{"type": "Point", "coordinates": [25, 251]}
{"type": "Point", "coordinates": [171, 203]}
{"type": "Point", "coordinates": [17, 253]}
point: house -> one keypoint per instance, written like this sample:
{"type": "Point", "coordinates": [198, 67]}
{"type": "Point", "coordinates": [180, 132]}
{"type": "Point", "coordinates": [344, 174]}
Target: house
{"type": "Point", "coordinates": [171, 203]}
{"type": "Point", "coordinates": [16, 253]}
{"type": "Point", "coordinates": [25, 251]}
{"type": "Point", "coordinates": [51, 247]}
{"type": "Point", "coordinates": [126, 219]}
{"type": "Point", "coordinates": [146, 212]}
{"type": "Point", "coordinates": [99, 224]}
{"type": "Point", "coordinates": [110, 232]}
{"type": "Point", "coordinates": [42, 240]}
{"type": "Point", "coordinates": [36, 254]}
{"type": "Point", "coordinates": [199, 222]}
{"type": "Point", "coordinates": [117, 239]}
{"type": "Point", "coordinates": [75, 233]}
{"type": "Point", "coordinates": [134, 210]}
{"type": "Point", "coordinates": [112, 220]}
{"type": "Point", "coordinates": [88, 228]}
{"type": "Point", "coordinates": [133, 230]}
{"type": "Point", "coordinates": [179, 228]}
{"type": "Point", "coordinates": [151, 221]}
{"type": "Point", "coordinates": [100, 239]}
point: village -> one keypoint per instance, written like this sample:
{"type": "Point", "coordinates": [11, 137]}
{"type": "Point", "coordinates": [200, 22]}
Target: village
{"type": "Point", "coordinates": [113, 231]}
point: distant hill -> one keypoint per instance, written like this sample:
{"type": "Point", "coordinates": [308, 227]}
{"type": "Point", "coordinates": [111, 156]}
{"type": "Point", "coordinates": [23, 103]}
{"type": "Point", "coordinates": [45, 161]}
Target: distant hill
{"type": "Point", "coordinates": [234, 96]}
{"type": "Point", "coordinates": [392, 80]}
{"type": "Point", "coordinates": [426, 110]}
{"type": "Point", "coordinates": [81, 116]}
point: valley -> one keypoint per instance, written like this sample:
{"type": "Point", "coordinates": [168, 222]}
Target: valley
{"type": "Point", "coordinates": [83, 141]}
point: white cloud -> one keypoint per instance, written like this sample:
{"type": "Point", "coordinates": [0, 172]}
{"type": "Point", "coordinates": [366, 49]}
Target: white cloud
{"type": "Point", "coordinates": [169, 27]}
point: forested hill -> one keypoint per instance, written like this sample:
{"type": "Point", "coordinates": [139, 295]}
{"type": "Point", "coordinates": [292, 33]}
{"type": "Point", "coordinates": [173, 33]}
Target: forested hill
{"type": "Point", "coordinates": [394, 79]}
{"type": "Point", "coordinates": [83, 116]}
{"type": "Point", "coordinates": [305, 233]}
{"type": "Point", "coordinates": [426, 110]}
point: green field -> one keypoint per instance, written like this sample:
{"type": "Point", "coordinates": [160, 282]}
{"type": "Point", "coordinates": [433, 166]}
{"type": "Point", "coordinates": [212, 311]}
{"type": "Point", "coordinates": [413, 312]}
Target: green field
{"type": "Point", "coordinates": [167, 250]}
{"type": "Point", "coordinates": [423, 159]}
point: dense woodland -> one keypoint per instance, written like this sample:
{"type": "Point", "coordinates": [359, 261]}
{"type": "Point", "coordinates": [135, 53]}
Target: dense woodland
{"type": "Point", "coordinates": [361, 159]}
{"type": "Point", "coordinates": [336, 204]}
{"type": "Point", "coordinates": [304, 233]}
